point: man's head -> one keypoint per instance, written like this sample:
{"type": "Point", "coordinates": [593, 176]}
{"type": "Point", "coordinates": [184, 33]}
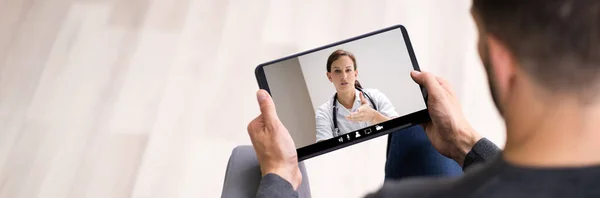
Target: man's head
{"type": "Point", "coordinates": [552, 46]}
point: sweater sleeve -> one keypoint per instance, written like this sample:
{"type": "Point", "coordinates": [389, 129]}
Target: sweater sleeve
{"type": "Point", "coordinates": [483, 150]}
{"type": "Point", "coordinates": [272, 185]}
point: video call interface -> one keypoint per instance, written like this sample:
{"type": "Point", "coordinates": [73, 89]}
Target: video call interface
{"type": "Point", "coordinates": [345, 92]}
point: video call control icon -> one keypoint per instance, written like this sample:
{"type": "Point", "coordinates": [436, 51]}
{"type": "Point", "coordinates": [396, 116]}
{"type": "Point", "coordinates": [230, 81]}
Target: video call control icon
{"type": "Point", "coordinates": [368, 131]}
{"type": "Point", "coordinates": [377, 127]}
{"type": "Point", "coordinates": [357, 134]}
{"type": "Point", "coordinates": [341, 139]}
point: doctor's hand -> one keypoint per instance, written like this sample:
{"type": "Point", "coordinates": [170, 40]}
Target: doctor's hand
{"type": "Point", "coordinates": [273, 144]}
{"type": "Point", "coordinates": [366, 114]}
{"type": "Point", "coordinates": [449, 131]}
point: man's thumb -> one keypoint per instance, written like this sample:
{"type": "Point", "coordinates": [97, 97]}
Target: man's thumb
{"type": "Point", "coordinates": [425, 79]}
{"type": "Point", "coordinates": [417, 77]}
{"type": "Point", "coordinates": [267, 107]}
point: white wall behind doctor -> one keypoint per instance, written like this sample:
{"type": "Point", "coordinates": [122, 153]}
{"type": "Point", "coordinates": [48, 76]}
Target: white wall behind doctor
{"type": "Point", "coordinates": [383, 63]}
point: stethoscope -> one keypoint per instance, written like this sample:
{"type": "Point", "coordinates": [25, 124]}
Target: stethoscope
{"type": "Point", "coordinates": [336, 130]}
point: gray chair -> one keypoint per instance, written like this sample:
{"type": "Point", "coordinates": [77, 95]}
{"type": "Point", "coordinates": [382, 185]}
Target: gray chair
{"type": "Point", "coordinates": [242, 176]}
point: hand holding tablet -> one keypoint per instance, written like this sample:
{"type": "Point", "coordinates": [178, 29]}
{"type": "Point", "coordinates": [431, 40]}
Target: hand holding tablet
{"type": "Point", "coordinates": [272, 142]}
{"type": "Point", "coordinates": [449, 131]}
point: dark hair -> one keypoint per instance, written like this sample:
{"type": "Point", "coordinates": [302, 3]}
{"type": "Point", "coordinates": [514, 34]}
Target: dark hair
{"type": "Point", "coordinates": [557, 42]}
{"type": "Point", "coordinates": [335, 56]}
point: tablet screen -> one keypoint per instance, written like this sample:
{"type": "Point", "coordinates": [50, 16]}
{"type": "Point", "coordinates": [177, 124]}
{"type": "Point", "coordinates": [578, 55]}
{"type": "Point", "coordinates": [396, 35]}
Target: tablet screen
{"type": "Point", "coordinates": [346, 91]}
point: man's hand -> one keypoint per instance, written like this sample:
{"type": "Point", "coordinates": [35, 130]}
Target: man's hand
{"type": "Point", "coordinates": [366, 114]}
{"type": "Point", "coordinates": [273, 144]}
{"type": "Point", "coordinates": [449, 132]}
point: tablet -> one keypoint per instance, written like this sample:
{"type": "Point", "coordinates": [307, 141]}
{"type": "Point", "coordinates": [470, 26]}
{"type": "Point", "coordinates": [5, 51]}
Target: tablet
{"type": "Point", "coordinates": [346, 92]}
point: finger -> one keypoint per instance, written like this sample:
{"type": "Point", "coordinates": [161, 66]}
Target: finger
{"type": "Point", "coordinates": [424, 125]}
{"type": "Point", "coordinates": [362, 99]}
{"type": "Point", "coordinates": [350, 117]}
{"type": "Point", "coordinates": [417, 77]}
{"type": "Point", "coordinates": [357, 119]}
{"type": "Point", "coordinates": [356, 116]}
{"type": "Point", "coordinates": [427, 80]}
{"type": "Point", "coordinates": [267, 107]}
{"type": "Point", "coordinates": [353, 119]}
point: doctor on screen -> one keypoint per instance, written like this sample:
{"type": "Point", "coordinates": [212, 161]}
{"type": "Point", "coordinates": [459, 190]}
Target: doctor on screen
{"type": "Point", "coordinates": [351, 107]}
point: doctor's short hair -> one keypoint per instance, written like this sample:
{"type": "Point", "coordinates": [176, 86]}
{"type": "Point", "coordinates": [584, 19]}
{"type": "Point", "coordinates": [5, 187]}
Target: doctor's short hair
{"type": "Point", "coordinates": [336, 55]}
{"type": "Point", "coordinates": [557, 42]}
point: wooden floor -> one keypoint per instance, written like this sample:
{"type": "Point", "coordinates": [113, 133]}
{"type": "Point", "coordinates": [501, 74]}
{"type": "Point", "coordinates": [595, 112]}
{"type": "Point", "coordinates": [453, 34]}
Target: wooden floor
{"type": "Point", "coordinates": [146, 98]}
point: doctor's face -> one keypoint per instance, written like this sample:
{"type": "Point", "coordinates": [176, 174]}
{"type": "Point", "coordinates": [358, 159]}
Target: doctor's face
{"type": "Point", "coordinates": [343, 75]}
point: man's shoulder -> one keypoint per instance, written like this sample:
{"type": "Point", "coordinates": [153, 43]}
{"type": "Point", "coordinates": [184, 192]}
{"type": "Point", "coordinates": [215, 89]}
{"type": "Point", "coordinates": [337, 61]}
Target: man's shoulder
{"type": "Point", "coordinates": [415, 188]}
{"type": "Point", "coordinates": [466, 185]}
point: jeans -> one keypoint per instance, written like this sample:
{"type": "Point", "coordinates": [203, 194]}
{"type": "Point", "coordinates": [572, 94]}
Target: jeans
{"type": "Point", "coordinates": [410, 154]}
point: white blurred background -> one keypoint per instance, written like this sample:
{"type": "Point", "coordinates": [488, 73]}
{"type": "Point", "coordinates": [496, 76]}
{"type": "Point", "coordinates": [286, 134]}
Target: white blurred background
{"type": "Point", "coordinates": [146, 98]}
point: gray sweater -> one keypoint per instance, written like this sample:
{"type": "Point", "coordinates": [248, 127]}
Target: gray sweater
{"type": "Point", "coordinates": [492, 178]}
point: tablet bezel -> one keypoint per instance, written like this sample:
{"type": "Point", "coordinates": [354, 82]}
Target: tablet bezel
{"type": "Point", "coordinates": [389, 126]}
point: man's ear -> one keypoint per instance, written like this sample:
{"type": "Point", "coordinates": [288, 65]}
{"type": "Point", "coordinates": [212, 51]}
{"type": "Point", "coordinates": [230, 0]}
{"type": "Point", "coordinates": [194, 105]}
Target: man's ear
{"type": "Point", "coordinates": [329, 77]}
{"type": "Point", "coordinates": [503, 64]}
